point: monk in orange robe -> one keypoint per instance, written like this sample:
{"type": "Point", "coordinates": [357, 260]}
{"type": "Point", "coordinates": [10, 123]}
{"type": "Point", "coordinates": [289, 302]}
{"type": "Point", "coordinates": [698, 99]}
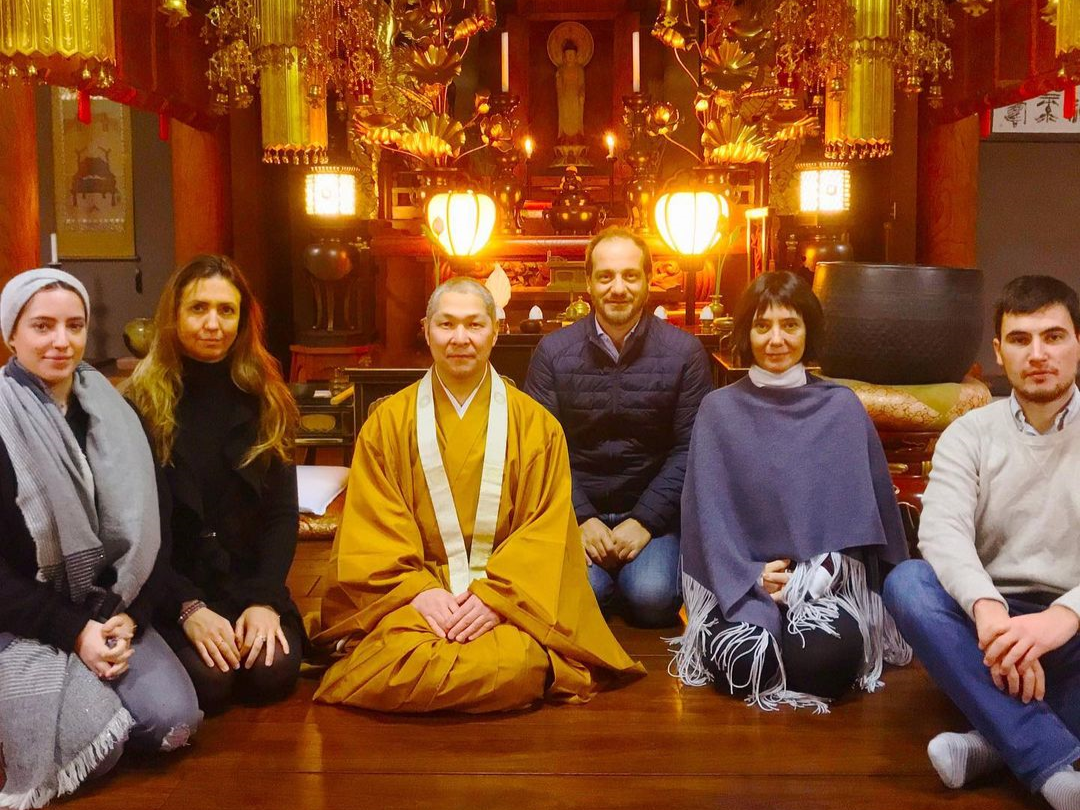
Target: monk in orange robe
{"type": "Point", "coordinates": [457, 580]}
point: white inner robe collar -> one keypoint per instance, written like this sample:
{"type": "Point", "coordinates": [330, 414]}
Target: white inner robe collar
{"type": "Point", "coordinates": [464, 406]}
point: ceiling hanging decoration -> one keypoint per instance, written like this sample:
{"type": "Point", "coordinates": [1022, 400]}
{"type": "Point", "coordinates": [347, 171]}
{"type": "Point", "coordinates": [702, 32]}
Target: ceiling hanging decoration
{"type": "Point", "coordinates": [813, 47]}
{"type": "Point", "coordinates": [339, 49]}
{"type": "Point", "coordinates": [176, 10]}
{"type": "Point", "coordinates": [922, 56]}
{"type": "Point", "coordinates": [71, 40]}
{"type": "Point", "coordinates": [293, 131]}
{"type": "Point", "coordinates": [859, 120]}
{"type": "Point", "coordinates": [231, 27]}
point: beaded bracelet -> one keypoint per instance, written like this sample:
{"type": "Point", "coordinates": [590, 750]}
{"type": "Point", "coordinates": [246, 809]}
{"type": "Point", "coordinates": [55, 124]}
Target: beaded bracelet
{"type": "Point", "coordinates": [191, 609]}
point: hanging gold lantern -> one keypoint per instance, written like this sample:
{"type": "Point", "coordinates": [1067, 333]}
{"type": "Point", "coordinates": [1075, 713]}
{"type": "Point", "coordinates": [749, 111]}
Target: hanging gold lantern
{"type": "Point", "coordinates": [293, 130]}
{"type": "Point", "coordinates": [175, 10]}
{"type": "Point", "coordinates": [73, 39]}
{"type": "Point", "coordinates": [859, 119]}
{"type": "Point", "coordinates": [462, 221]}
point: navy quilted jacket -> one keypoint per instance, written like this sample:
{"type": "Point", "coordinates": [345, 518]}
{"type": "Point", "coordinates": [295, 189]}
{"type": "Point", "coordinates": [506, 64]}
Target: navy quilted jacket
{"type": "Point", "coordinates": [627, 423]}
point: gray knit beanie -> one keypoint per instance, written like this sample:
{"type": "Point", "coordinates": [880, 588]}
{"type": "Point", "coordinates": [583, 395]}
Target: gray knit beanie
{"type": "Point", "coordinates": [21, 289]}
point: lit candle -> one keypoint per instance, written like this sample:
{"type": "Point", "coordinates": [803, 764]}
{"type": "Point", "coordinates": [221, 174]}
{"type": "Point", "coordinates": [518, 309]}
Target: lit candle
{"type": "Point", "coordinates": [609, 139]}
{"type": "Point", "coordinates": [54, 249]}
{"type": "Point", "coordinates": [529, 146]}
{"type": "Point", "coordinates": [506, 61]}
{"type": "Point", "coordinates": [637, 61]}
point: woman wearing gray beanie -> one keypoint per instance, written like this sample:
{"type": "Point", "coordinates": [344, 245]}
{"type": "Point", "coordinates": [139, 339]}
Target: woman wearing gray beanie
{"type": "Point", "coordinates": [81, 670]}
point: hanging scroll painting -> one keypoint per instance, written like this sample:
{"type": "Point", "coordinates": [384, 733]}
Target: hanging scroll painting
{"type": "Point", "coordinates": [95, 217]}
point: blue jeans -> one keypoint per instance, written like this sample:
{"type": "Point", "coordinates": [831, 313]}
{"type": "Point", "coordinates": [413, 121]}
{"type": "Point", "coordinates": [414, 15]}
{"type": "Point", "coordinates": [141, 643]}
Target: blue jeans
{"type": "Point", "coordinates": [649, 584]}
{"type": "Point", "coordinates": [157, 691]}
{"type": "Point", "coordinates": [1035, 740]}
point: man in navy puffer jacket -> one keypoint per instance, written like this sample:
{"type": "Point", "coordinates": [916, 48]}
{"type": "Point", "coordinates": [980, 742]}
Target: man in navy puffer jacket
{"type": "Point", "coordinates": [626, 387]}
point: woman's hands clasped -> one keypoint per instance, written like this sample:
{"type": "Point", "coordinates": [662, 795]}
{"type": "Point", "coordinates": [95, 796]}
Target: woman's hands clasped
{"type": "Point", "coordinates": [105, 648]}
{"type": "Point", "coordinates": [224, 646]}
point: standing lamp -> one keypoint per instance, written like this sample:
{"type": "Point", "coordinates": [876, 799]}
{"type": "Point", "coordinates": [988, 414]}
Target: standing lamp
{"type": "Point", "coordinates": [824, 201]}
{"type": "Point", "coordinates": [330, 201]}
{"type": "Point", "coordinates": [691, 223]}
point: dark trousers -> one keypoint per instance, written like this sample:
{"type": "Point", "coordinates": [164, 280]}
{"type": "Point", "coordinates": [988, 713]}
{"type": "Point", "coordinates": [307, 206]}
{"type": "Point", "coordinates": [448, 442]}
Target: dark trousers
{"type": "Point", "coordinates": [815, 662]}
{"type": "Point", "coordinates": [260, 684]}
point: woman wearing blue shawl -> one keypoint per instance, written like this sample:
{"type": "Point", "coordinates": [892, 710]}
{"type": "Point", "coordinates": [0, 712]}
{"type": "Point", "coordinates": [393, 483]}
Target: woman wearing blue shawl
{"type": "Point", "coordinates": [789, 522]}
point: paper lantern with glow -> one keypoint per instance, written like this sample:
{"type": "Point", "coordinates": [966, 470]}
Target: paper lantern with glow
{"type": "Point", "coordinates": [462, 221]}
{"type": "Point", "coordinates": [330, 193]}
{"type": "Point", "coordinates": [691, 223]}
{"type": "Point", "coordinates": [824, 188]}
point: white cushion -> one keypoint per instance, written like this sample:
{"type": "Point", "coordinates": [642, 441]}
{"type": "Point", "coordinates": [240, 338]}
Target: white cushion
{"type": "Point", "coordinates": [317, 486]}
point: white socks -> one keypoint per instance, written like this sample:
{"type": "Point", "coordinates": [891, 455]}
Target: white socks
{"type": "Point", "coordinates": [962, 758]}
{"type": "Point", "coordinates": [1062, 790]}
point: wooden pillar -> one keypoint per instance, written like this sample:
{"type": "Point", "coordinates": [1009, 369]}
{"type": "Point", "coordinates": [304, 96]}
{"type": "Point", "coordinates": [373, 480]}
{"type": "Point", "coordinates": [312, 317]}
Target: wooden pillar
{"type": "Point", "coordinates": [20, 247]}
{"type": "Point", "coordinates": [948, 193]}
{"type": "Point", "coordinates": [202, 208]}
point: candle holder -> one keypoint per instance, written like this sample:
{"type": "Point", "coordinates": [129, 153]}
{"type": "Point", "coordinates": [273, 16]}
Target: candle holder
{"type": "Point", "coordinates": [643, 156]}
{"type": "Point", "coordinates": [505, 185]}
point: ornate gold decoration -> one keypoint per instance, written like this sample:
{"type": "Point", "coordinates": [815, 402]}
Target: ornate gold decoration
{"type": "Point", "coordinates": [338, 47]}
{"type": "Point", "coordinates": [859, 121]}
{"type": "Point", "coordinates": [293, 131]}
{"type": "Point", "coordinates": [431, 41]}
{"type": "Point", "coordinates": [976, 8]}
{"type": "Point", "coordinates": [231, 26]}
{"type": "Point", "coordinates": [175, 10]}
{"type": "Point", "coordinates": [922, 55]}
{"type": "Point", "coordinates": [814, 42]}
{"type": "Point", "coordinates": [73, 40]}
{"type": "Point", "coordinates": [742, 109]}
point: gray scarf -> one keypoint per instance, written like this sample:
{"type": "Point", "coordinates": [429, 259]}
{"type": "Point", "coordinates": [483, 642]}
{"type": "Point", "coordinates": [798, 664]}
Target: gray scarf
{"type": "Point", "coordinates": [85, 512]}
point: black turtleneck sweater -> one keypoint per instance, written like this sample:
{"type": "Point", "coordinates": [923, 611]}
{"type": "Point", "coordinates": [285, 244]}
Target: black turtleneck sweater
{"type": "Point", "coordinates": [233, 526]}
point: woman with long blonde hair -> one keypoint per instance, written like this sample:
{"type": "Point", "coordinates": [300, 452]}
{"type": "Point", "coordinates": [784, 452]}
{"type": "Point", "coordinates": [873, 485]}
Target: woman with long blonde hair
{"type": "Point", "coordinates": [222, 423]}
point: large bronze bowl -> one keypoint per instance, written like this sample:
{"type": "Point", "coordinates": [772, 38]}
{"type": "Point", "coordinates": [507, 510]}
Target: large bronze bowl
{"type": "Point", "coordinates": [899, 324]}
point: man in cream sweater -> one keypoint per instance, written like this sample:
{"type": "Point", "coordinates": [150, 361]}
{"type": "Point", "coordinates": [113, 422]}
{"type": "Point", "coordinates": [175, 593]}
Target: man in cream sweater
{"type": "Point", "coordinates": [993, 609]}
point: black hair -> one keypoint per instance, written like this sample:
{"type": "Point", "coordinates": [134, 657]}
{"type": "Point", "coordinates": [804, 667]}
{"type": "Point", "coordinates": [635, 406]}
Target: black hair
{"type": "Point", "coordinates": [1027, 294]}
{"type": "Point", "coordinates": [782, 289]}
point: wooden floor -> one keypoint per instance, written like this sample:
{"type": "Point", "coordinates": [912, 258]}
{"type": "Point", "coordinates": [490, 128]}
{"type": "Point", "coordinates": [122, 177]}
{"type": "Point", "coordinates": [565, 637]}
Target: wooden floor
{"type": "Point", "coordinates": [653, 744]}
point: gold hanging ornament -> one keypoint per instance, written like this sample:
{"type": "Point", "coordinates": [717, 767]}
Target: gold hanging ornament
{"type": "Point", "coordinates": [175, 10]}
{"type": "Point", "coordinates": [859, 121]}
{"type": "Point", "coordinates": [922, 56]}
{"type": "Point", "coordinates": [338, 48]}
{"type": "Point", "coordinates": [813, 49]}
{"type": "Point", "coordinates": [72, 40]}
{"type": "Point", "coordinates": [293, 130]}
{"type": "Point", "coordinates": [231, 27]}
